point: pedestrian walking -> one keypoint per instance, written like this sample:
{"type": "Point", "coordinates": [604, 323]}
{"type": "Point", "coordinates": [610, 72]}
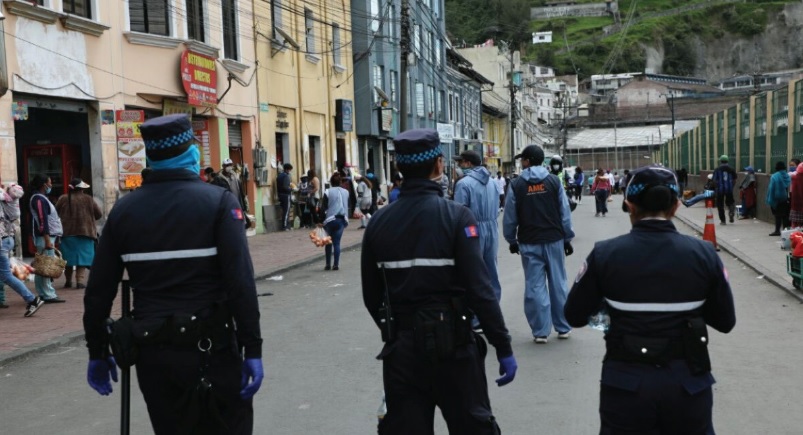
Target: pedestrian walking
{"type": "Point", "coordinates": [78, 212]}
{"type": "Point", "coordinates": [336, 203]}
{"type": "Point", "coordinates": [579, 182]}
{"type": "Point", "coordinates": [778, 197]}
{"type": "Point", "coordinates": [747, 193]}
{"type": "Point", "coordinates": [502, 184]}
{"type": "Point", "coordinates": [284, 190]}
{"type": "Point", "coordinates": [725, 177]}
{"type": "Point", "coordinates": [196, 315]}
{"type": "Point", "coordinates": [656, 374]}
{"type": "Point", "coordinates": [476, 190]}
{"type": "Point", "coordinates": [422, 277]}
{"type": "Point", "coordinates": [364, 199]}
{"type": "Point", "coordinates": [601, 190]}
{"type": "Point", "coordinates": [10, 212]}
{"type": "Point", "coordinates": [538, 225]}
{"type": "Point", "coordinates": [46, 231]}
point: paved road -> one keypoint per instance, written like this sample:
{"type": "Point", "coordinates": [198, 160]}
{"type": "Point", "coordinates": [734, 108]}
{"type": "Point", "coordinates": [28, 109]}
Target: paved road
{"type": "Point", "coordinates": [323, 378]}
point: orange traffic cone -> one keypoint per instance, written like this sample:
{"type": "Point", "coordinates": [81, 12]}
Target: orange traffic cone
{"type": "Point", "coordinates": [709, 233]}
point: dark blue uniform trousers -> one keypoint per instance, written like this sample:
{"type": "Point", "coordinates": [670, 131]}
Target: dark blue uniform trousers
{"type": "Point", "coordinates": [642, 399]}
{"type": "Point", "coordinates": [166, 376]}
{"type": "Point", "coordinates": [414, 386]}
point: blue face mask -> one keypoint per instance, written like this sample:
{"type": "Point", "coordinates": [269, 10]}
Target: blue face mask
{"type": "Point", "coordinates": [47, 190]}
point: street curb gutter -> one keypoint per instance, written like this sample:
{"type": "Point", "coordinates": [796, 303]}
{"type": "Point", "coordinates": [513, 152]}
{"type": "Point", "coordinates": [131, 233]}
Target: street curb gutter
{"type": "Point", "coordinates": [72, 338]}
{"type": "Point", "coordinates": [778, 281]}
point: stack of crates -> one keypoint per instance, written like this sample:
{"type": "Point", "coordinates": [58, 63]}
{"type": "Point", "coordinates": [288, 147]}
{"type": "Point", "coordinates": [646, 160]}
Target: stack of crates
{"type": "Point", "coordinates": [794, 268]}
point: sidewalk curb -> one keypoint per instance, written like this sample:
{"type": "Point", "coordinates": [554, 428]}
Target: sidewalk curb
{"type": "Point", "coordinates": [301, 263]}
{"type": "Point", "coordinates": [72, 338]}
{"type": "Point", "coordinates": [780, 282]}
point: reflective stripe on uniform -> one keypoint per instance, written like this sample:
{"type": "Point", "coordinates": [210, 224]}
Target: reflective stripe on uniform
{"type": "Point", "coordinates": [169, 255]}
{"type": "Point", "coordinates": [668, 307]}
{"type": "Point", "coordinates": [425, 262]}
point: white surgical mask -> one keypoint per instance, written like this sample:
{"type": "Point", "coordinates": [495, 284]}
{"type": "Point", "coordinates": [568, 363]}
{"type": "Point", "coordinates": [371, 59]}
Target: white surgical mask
{"type": "Point", "coordinates": [227, 169]}
{"type": "Point", "coordinates": [555, 167]}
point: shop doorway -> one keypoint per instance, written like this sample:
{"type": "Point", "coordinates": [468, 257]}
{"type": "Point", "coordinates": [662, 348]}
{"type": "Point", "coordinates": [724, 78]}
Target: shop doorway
{"type": "Point", "coordinates": [314, 153]}
{"type": "Point", "coordinates": [54, 143]}
{"type": "Point", "coordinates": [282, 149]}
{"type": "Point", "coordinates": [341, 154]}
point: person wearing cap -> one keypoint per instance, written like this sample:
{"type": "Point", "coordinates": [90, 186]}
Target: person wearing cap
{"type": "Point", "coordinates": [709, 191]}
{"type": "Point", "coordinates": [422, 277]}
{"type": "Point", "coordinates": [284, 190]}
{"type": "Point", "coordinates": [477, 191]}
{"type": "Point", "coordinates": [725, 177]}
{"type": "Point", "coordinates": [538, 225]}
{"type": "Point", "coordinates": [196, 314]}
{"type": "Point", "coordinates": [656, 374]}
{"type": "Point", "coordinates": [747, 192]}
{"type": "Point", "coordinates": [78, 212]}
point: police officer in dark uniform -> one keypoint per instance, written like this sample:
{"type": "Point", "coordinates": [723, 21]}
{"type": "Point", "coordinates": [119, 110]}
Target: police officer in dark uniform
{"type": "Point", "coordinates": [423, 277]}
{"type": "Point", "coordinates": [195, 317]}
{"type": "Point", "coordinates": [660, 289]}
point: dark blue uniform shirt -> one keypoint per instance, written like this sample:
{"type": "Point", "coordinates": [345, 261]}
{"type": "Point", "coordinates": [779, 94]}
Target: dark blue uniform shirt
{"type": "Point", "coordinates": [432, 248]}
{"type": "Point", "coordinates": [183, 244]}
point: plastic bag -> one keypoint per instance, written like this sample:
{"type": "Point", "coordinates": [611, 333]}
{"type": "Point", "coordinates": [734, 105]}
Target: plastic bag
{"type": "Point", "coordinates": [21, 269]}
{"type": "Point", "coordinates": [320, 237]}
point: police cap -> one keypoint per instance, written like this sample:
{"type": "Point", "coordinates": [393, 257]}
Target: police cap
{"type": "Point", "coordinates": [647, 177]}
{"type": "Point", "coordinates": [417, 146]}
{"type": "Point", "coordinates": [167, 136]}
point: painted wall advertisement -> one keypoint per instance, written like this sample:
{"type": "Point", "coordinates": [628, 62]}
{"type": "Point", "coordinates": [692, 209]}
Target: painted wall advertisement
{"type": "Point", "coordinates": [130, 148]}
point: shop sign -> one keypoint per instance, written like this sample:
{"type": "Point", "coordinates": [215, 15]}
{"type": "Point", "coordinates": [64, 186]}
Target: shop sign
{"type": "Point", "coordinates": [344, 115]}
{"type": "Point", "coordinates": [264, 107]}
{"type": "Point", "coordinates": [199, 77]}
{"type": "Point", "coordinates": [107, 117]}
{"type": "Point", "coordinates": [130, 148]}
{"type": "Point", "coordinates": [385, 119]}
{"type": "Point", "coordinates": [446, 132]}
{"type": "Point", "coordinates": [172, 107]}
{"type": "Point", "coordinates": [281, 120]}
{"type": "Point", "coordinates": [200, 128]}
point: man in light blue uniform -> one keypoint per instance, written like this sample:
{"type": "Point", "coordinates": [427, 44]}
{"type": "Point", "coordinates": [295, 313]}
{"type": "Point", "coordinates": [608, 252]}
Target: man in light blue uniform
{"type": "Point", "coordinates": [538, 225]}
{"type": "Point", "coordinates": [477, 191]}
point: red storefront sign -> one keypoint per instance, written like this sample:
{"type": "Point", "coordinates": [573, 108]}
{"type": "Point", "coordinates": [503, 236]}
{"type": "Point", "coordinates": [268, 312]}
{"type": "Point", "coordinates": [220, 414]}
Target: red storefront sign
{"type": "Point", "coordinates": [199, 77]}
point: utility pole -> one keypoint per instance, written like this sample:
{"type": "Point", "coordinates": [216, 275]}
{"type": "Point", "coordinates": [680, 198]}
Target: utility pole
{"type": "Point", "coordinates": [404, 46]}
{"type": "Point", "coordinates": [512, 109]}
{"type": "Point", "coordinates": [671, 101]}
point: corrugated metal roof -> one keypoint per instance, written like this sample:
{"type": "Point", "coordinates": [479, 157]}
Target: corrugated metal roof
{"type": "Point", "coordinates": [626, 136]}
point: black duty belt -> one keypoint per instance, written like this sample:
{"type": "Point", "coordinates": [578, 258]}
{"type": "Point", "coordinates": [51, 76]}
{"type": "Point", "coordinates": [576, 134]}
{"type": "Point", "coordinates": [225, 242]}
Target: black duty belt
{"type": "Point", "coordinates": [646, 350]}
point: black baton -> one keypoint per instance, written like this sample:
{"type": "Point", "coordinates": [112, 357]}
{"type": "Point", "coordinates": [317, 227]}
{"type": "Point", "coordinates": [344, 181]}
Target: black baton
{"type": "Point", "coordinates": [125, 373]}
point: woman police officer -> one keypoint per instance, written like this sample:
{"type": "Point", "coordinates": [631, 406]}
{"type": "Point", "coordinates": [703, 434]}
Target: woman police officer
{"type": "Point", "coordinates": [656, 375]}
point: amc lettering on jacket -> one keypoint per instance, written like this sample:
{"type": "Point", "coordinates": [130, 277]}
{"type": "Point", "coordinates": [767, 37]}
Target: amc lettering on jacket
{"type": "Point", "coordinates": [535, 189]}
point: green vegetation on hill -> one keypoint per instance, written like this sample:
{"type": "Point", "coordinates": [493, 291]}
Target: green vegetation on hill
{"type": "Point", "coordinates": [580, 45]}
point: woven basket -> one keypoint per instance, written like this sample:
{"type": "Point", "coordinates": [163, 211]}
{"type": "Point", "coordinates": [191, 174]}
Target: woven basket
{"type": "Point", "coordinates": [47, 266]}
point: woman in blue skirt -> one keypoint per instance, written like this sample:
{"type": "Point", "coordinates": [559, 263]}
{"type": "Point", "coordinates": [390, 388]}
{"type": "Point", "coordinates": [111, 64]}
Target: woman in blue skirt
{"type": "Point", "coordinates": [78, 212]}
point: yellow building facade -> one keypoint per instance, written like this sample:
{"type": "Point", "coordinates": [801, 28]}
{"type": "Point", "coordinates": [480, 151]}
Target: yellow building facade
{"type": "Point", "coordinates": [305, 92]}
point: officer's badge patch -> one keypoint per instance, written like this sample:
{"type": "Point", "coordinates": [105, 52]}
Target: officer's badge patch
{"type": "Point", "coordinates": [471, 231]}
{"type": "Point", "coordinates": [582, 272]}
{"type": "Point", "coordinates": [237, 214]}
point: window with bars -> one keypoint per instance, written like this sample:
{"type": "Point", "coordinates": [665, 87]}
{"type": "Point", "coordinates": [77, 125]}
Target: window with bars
{"type": "Point", "coordinates": [431, 102]}
{"type": "Point", "coordinates": [277, 19]}
{"type": "Point", "coordinates": [375, 18]}
{"type": "Point", "coordinates": [378, 82]}
{"type": "Point", "coordinates": [394, 78]}
{"type": "Point", "coordinates": [195, 20]}
{"type": "Point", "coordinates": [309, 35]}
{"type": "Point", "coordinates": [438, 56]}
{"type": "Point", "coordinates": [440, 105]}
{"type": "Point", "coordinates": [336, 44]}
{"type": "Point", "coordinates": [230, 29]}
{"type": "Point", "coordinates": [76, 7]}
{"type": "Point", "coordinates": [417, 40]}
{"type": "Point", "coordinates": [419, 99]}
{"type": "Point", "coordinates": [149, 16]}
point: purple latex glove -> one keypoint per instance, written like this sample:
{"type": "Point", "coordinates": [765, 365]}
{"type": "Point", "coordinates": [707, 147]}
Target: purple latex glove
{"type": "Point", "coordinates": [99, 373]}
{"type": "Point", "coordinates": [507, 368]}
{"type": "Point", "coordinates": [252, 369]}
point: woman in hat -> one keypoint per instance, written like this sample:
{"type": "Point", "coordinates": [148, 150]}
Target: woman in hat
{"type": "Point", "coordinates": [78, 212]}
{"type": "Point", "coordinates": [656, 374]}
